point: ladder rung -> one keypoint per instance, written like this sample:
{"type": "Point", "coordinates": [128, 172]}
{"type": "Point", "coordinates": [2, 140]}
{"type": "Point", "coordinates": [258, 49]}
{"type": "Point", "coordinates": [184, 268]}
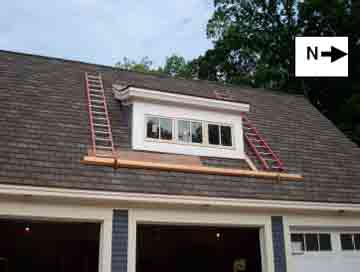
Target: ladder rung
{"type": "Point", "coordinates": [270, 160]}
{"type": "Point", "coordinates": [99, 118]}
{"type": "Point", "coordinates": [260, 146]}
{"type": "Point", "coordinates": [251, 134]}
{"type": "Point", "coordinates": [101, 125]}
{"type": "Point", "coordinates": [101, 132]}
{"type": "Point", "coordinates": [92, 76]}
{"type": "Point", "coordinates": [104, 147]}
{"type": "Point", "coordinates": [97, 101]}
{"type": "Point", "coordinates": [102, 139]}
{"type": "Point", "coordinates": [96, 90]}
{"type": "Point", "coordinates": [96, 107]}
{"type": "Point", "coordinates": [96, 95]}
{"type": "Point", "coordinates": [95, 85]}
{"type": "Point", "coordinates": [98, 112]}
{"type": "Point", "coordinates": [264, 153]}
{"type": "Point", "coordinates": [257, 140]}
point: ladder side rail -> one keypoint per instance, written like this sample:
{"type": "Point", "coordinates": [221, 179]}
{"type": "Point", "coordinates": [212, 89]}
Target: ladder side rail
{"type": "Point", "coordinates": [91, 121]}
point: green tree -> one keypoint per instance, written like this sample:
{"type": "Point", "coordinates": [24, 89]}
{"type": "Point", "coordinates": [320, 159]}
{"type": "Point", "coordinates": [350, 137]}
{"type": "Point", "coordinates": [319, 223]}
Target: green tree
{"type": "Point", "coordinates": [144, 65]}
{"type": "Point", "coordinates": [177, 66]}
{"type": "Point", "coordinates": [254, 44]}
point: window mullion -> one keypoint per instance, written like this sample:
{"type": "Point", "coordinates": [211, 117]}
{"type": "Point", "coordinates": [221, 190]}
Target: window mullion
{"type": "Point", "coordinates": [159, 129]}
{"type": "Point", "coordinates": [353, 241]}
{"type": "Point", "coordinates": [190, 129]}
{"type": "Point", "coordinates": [220, 140]}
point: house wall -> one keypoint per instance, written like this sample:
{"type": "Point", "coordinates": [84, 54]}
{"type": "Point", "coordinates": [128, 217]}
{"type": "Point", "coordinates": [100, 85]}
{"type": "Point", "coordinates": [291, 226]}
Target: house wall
{"type": "Point", "coordinates": [119, 219]}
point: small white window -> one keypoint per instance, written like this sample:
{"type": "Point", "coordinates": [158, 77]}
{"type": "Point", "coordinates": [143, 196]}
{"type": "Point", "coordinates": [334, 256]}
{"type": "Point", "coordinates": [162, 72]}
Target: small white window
{"type": "Point", "coordinates": [159, 128]}
{"type": "Point", "coordinates": [301, 242]}
{"type": "Point", "coordinates": [350, 241]}
{"type": "Point", "coordinates": [190, 131]}
{"type": "Point", "coordinates": [219, 135]}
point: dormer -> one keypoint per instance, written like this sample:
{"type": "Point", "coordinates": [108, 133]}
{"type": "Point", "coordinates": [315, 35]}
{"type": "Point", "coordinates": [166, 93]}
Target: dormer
{"type": "Point", "coordinates": [183, 124]}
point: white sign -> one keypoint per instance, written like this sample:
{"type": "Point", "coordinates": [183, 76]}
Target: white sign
{"type": "Point", "coordinates": [321, 56]}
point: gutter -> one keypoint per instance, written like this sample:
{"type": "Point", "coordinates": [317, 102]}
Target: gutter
{"type": "Point", "coordinates": [121, 163]}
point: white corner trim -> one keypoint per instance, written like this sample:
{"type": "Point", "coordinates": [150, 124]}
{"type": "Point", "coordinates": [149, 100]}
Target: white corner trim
{"type": "Point", "coordinates": [111, 197]}
{"type": "Point", "coordinates": [129, 94]}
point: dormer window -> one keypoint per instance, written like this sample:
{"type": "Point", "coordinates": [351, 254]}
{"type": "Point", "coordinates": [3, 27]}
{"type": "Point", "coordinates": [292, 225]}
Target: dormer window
{"type": "Point", "coordinates": [159, 128]}
{"type": "Point", "coordinates": [191, 132]}
{"type": "Point", "coordinates": [219, 135]}
{"type": "Point", "coordinates": [182, 124]}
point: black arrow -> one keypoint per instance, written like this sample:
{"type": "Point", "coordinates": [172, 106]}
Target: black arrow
{"type": "Point", "coordinates": [335, 54]}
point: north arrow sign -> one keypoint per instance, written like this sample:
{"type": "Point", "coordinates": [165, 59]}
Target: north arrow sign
{"type": "Point", "coordinates": [335, 54]}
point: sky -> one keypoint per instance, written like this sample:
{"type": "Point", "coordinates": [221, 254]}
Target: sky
{"type": "Point", "coordinates": [105, 31]}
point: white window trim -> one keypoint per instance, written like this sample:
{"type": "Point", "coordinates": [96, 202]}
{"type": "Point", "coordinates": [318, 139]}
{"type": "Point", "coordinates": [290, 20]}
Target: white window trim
{"type": "Point", "coordinates": [319, 251]}
{"type": "Point", "coordinates": [175, 138]}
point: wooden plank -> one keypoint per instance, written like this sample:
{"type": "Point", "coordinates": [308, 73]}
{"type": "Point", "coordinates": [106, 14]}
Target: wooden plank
{"type": "Point", "coordinates": [121, 163]}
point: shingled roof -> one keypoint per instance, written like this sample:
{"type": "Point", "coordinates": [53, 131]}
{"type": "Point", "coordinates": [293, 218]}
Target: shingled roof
{"type": "Point", "coordinates": [44, 135]}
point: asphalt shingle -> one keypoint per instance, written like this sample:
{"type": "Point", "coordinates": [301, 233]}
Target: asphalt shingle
{"type": "Point", "coordinates": [44, 134]}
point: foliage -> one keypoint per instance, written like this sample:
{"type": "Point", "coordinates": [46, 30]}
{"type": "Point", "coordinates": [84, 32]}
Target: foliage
{"type": "Point", "coordinates": [177, 66]}
{"type": "Point", "coordinates": [145, 65]}
{"type": "Point", "coordinates": [254, 44]}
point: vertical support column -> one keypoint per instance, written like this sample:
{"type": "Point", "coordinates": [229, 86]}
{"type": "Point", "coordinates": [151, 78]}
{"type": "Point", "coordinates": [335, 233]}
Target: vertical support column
{"type": "Point", "coordinates": [119, 241]}
{"type": "Point", "coordinates": [278, 243]}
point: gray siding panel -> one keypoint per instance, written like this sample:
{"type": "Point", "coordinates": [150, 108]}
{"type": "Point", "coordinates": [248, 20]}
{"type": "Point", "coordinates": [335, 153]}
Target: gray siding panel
{"type": "Point", "coordinates": [278, 243]}
{"type": "Point", "coordinates": [119, 241]}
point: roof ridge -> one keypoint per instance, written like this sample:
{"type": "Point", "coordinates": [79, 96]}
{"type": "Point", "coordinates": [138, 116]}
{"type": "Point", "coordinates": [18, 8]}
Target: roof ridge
{"type": "Point", "coordinates": [114, 68]}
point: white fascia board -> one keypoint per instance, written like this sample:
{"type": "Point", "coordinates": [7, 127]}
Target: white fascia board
{"type": "Point", "coordinates": [130, 94]}
{"type": "Point", "coordinates": [138, 198]}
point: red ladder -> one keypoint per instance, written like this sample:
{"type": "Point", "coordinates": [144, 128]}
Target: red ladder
{"type": "Point", "coordinates": [265, 155]}
{"type": "Point", "coordinates": [101, 136]}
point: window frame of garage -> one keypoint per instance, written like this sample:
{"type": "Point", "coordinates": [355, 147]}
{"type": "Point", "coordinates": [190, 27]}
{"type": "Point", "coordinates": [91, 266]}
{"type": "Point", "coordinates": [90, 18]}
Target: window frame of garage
{"type": "Point", "coordinates": [305, 235]}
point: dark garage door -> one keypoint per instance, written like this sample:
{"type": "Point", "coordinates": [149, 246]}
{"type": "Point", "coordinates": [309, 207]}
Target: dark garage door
{"type": "Point", "coordinates": [189, 248]}
{"type": "Point", "coordinates": [48, 246]}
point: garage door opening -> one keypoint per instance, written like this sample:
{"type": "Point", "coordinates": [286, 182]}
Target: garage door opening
{"type": "Point", "coordinates": [187, 248]}
{"type": "Point", "coordinates": [35, 246]}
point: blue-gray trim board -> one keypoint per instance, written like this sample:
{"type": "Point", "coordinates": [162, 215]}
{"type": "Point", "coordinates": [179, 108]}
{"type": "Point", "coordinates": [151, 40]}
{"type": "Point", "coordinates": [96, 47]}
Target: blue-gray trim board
{"type": "Point", "coordinates": [278, 243]}
{"type": "Point", "coordinates": [119, 241]}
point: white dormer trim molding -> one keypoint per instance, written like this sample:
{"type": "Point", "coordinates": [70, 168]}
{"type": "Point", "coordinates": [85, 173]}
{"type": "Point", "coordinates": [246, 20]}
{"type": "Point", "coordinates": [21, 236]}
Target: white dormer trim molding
{"type": "Point", "coordinates": [128, 94]}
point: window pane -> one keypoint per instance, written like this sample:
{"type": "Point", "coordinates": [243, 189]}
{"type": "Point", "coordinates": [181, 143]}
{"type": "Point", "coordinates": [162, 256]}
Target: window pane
{"type": "Point", "coordinates": [226, 136]}
{"type": "Point", "coordinates": [152, 128]}
{"type": "Point", "coordinates": [346, 242]}
{"type": "Point", "coordinates": [213, 131]}
{"type": "Point", "coordinates": [357, 241]}
{"type": "Point", "coordinates": [196, 132]}
{"type": "Point", "coordinates": [184, 131]}
{"type": "Point", "coordinates": [311, 241]}
{"type": "Point", "coordinates": [325, 241]}
{"type": "Point", "coordinates": [297, 242]}
{"type": "Point", "coordinates": [165, 129]}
